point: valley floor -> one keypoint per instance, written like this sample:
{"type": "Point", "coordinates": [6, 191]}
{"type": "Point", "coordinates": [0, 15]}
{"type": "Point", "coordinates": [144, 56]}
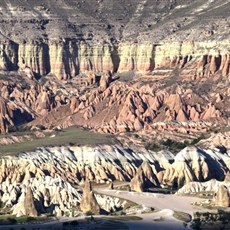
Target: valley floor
{"type": "Point", "coordinates": [161, 218]}
{"type": "Point", "coordinates": [158, 201]}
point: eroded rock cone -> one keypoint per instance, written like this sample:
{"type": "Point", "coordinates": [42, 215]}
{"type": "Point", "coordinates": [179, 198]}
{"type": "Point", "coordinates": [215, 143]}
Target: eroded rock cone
{"type": "Point", "coordinates": [111, 186]}
{"type": "Point", "coordinates": [30, 209]}
{"type": "Point", "coordinates": [88, 200]}
{"type": "Point", "coordinates": [105, 80]}
{"type": "Point", "coordinates": [74, 103]}
{"type": "Point", "coordinates": [221, 197]}
{"type": "Point", "coordinates": [227, 177]}
{"type": "Point", "coordinates": [91, 77]}
{"type": "Point", "coordinates": [144, 178]}
{"type": "Point", "coordinates": [137, 183]}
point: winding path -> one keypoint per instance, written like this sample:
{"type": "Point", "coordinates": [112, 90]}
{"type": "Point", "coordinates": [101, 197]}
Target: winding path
{"type": "Point", "coordinates": [157, 201]}
{"type": "Point", "coordinates": [165, 205]}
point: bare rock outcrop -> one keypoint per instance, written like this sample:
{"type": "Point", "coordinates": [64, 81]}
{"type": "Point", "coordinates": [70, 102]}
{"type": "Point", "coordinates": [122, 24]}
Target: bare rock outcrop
{"type": "Point", "coordinates": [30, 209]}
{"type": "Point", "coordinates": [144, 178]}
{"type": "Point", "coordinates": [74, 103]}
{"type": "Point", "coordinates": [105, 80]}
{"type": "Point", "coordinates": [196, 187]}
{"type": "Point", "coordinates": [137, 183]}
{"type": "Point", "coordinates": [26, 204]}
{"type": "Point", "coordinates": [145, 169]}
{"type": "Point", "coordinates": [44, 102]}
{"type": "Point", "coordinates": [88, 200]}
{"type": "Point", "coordinates": [192, 164]}
{"type": "Point", "coordinates": [221, 197]}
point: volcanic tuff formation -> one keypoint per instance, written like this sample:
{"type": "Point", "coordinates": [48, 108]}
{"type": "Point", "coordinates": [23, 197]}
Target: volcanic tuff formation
{"type": "Point", "coordinates": [112, 105]}
{"type": "Point", "coordinates": [47, 194]}
{"type": "Point", "coordinates": [186, 42]}
{"type": "Point", "coordinates": [32, 183]}
{"type": "Point", "coordinates": [155, 69]}
{"type": "Point", "coordinates": [88, 200]}
{"type": "Point", "coordinates": [106, 163]}
{"type": "Point", "coordinates": [74, 36]}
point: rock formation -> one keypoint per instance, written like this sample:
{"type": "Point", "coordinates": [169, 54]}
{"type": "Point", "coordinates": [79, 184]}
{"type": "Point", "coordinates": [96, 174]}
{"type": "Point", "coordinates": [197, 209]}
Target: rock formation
{"type": "Point", "coordinates": [88, 200]}
{"type": "Point", "coordinates": [51, 184]}
{"type": "Point", "coordinates": [57, 60]}
{"type": "Point", "coordinates": [221, 197]}
{"type": "Point", "coordinates": [144, 178]}
{"type": "Point", "coordinates": [25, 205]}
{"type": "Point", "coordinates": [48, 42]}
{"type": "Point", "coordinates": [125, 107]}
{"type": "Point", "coordinates": [111, 185]}
{"type": "Point", "coordinates": [219, 190]}
{"type": "Point", "coordinates": [137, 183]}
{"type": "Point", "coordinates": [48, 195]}
{"type": "Point", "coordinates": [30, 209]}
{"type": "Point", "coordinates": [105, 80]}
{"type": "Point", "coordinates": [101, 164]}
{"type": "Point", "coordinates": [192, 188]}
{"type": "Point", "coordinates": [152, 70]}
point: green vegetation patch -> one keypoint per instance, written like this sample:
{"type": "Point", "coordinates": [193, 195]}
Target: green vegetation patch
{"type": "Point", "coordinates": [172, 145]}
{"type": "Point", "coordinates": [11, 220]}
{"type": "Point", "coordinates": [102, 223]}
{"type": "Point", "coordinates": [122, 218]}
{"type": "Point", "coordinates": [70, 136]}
{"type": "Point", "coordinates": [211, 220]}
{"type": "Point", "coordinates": [185, 217]}
{"type": "Point", "coordinates": [169, 144]}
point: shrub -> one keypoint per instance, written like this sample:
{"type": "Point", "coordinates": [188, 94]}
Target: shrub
{"type": "Point", "coordinates": [169, 144]}
{"type": "Point", "coordinates": [196, 224]}
{"type": "Point", "coordinates": [153, 146]}
{"type": "Point", "coordinates": [195, 141]}
{"type": "Point", "coordinates": [89, 213]}
{"type": "Point", "coordinates": [65, 224]}
{"type": "Point", "coordinates": [11, 221]}
{"type": "Point", "coordinates": [29, 219]}
{"type": "Point", "coordinates": [74, 222]}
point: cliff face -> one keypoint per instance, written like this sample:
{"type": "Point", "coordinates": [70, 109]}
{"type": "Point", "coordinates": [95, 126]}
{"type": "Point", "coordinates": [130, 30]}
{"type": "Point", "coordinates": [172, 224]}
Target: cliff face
{"type": "Point", "coordinates": [142, 35]}
{"type": "Point", "coordinates": [181, 42]}
{"type": "Point", "coordinates": [8, 55]}
{"type": "Point", "coordinates": [66, 59]}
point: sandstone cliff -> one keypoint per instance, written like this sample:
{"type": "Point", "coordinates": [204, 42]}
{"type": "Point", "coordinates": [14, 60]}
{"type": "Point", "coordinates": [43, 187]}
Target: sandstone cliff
{"type": "Point", "coordinates": [75, 37]}
{"type": "Point", "coordinates": [68, 58]}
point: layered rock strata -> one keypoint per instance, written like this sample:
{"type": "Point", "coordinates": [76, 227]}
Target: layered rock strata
{"type": "Point", "coordinates": [67, 58]}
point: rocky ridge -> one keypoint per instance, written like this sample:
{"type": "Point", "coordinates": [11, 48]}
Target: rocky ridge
{"type": "Point", "coordinates": [111, 105]}
{"type": "Point", "coordinates": [67, 60]}
{"type": "Point", "coordinates": [152, 69]}
{"type": "Point", "coordinates": [108, 163]}
{"type": "Point", "coordinates": [53, 175]}
{"type": "Point", "coordinates": [89, 46]}
{"type": "Point", "coordinates": [46, 194]}
{"type": "Point", "coordinates": [73, 36]}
